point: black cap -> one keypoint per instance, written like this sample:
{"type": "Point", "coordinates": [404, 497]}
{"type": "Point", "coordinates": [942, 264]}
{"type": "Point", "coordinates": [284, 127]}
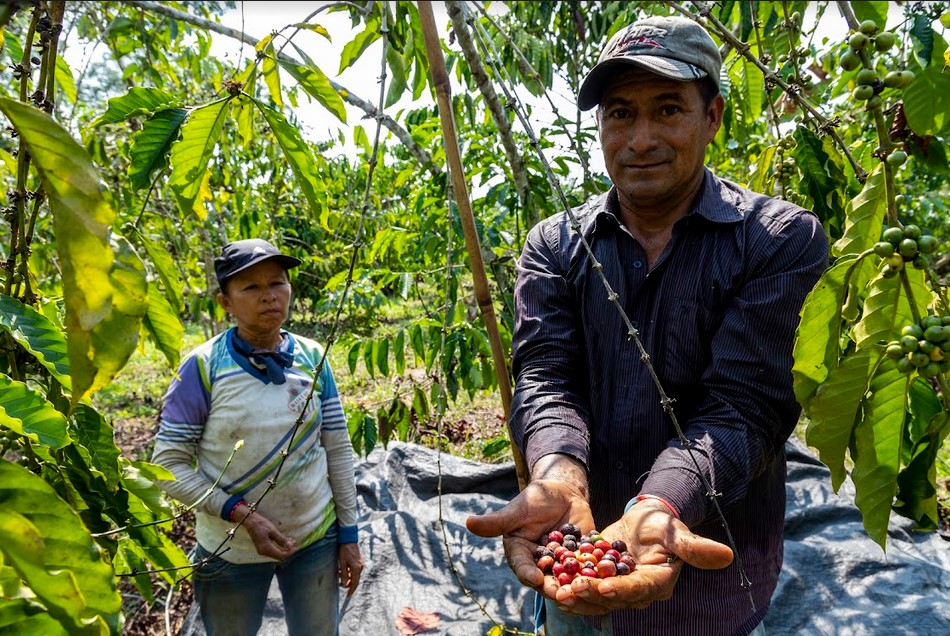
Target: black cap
{"type": "Point", "coordinates": [239, 255]}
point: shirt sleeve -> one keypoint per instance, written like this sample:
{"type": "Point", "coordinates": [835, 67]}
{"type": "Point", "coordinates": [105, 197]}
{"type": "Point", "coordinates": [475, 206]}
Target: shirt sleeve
{"type": "Point", "coordinates": [184, 414]}
{"type": "Point", "coordinates": [335, 439]}
{"type": "Point", "coordinates": [548, 410]}
{"type": "Point", "coordinates": [749, 410]}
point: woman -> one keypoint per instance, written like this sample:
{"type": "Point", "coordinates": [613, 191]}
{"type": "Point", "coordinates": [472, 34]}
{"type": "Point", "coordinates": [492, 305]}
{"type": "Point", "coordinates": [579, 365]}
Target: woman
{"type": "Point", "coordinates": [253, 383]}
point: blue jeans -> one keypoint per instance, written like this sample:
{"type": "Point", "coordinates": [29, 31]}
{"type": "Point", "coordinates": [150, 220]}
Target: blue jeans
{"type": "Point", "coordinates": [232, 596]}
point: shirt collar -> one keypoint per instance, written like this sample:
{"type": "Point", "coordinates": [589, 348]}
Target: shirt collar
{"type": "Point", "coordinates": [715, 203]}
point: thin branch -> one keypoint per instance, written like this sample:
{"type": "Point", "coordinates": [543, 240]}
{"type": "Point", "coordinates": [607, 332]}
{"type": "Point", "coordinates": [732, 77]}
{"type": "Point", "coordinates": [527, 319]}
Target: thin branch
{"type": "Point", "coordinates": [418, 152]}
{"type": "Point", "coordinates": [494, 106]}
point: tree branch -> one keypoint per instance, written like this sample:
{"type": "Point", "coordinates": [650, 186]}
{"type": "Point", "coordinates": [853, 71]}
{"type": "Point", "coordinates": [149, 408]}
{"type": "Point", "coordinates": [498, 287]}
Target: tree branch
{"type": "Point", "coordinates": [493, 104]}
{"type": "Point", "coordinates": [417, 151]}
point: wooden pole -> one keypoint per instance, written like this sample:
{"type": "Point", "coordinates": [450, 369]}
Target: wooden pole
{"type": "Point", "coordinates": [443, 90]}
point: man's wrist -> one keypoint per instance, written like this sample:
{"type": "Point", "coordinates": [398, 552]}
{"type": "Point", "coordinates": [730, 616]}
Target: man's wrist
{"type": "Point", "coordinates": [666, 504]}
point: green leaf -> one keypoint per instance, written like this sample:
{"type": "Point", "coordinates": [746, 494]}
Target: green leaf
{"type": "Point", "coordinates": [110, 343]}
{"type": "Point", "coordinates": [876, 11]}
{"type": "Point", "coordinates": [81, 220]}
{"type": "Point", "coordinates": [368, 358]}
{"type": "Point", "coordinates": [922, 34]}
{"type": "Point", "coordinates": [244, 109]}
{"type": "Point", "coordinates": [316, 28]}
{"type": "Point", "coordinates": [926, 115]}
{"type": "Point", "coordinates": [316, 84]}
{"type": "Point", "coordinates": [886, 309]}
{"type": "Point", "coordinates": [397, 67]}
{"type": "Point", "coordinates": [151, 145]}
{"type": "Point", "coordinates": [24, 617]}
{"type": "Point", "coordinates": [138, 101]}
{"type": "Point", "coordinates": [164, 265]}
{"type": "Point", "coordinates": [816, 343]}
{"type": "Point", "coordinates": [353, 49]}
{"type": "Point", "coordinates": [417, 342]}
{"type": "Point", "coordinates": [140, 478]}
{"type": "Point", "coordinates": [191, 154]}
{"type": "Point", "coordinates": [299, 156]}
{"type": "Point", "coordinates": [823, 178]}
{"type": "Point", "coordinates": [381, 349]}
{"type": "Point", "coordinates": [877, 447]}
{"type": "Point", "coordinates": [834, 409]}
{"type": "Point", "coordinates": [163, 326]}
{"type": "Point", "coordinates": [760, 177]}
{"type": "Point", "coordinates": [45, 541]}
{"type": "Point", "coordinates": [271, 74]}
{"type": "Point", "coordinates": [64, 79]}
{"type": "Point", "coordinates": [399, 351]}
{"type": "Point", "coordinates": [38, 335]}
{"type": "Point", "coordinates": [97, 437]}
{"type": "Point", "coordinates": [864, 216]}
{"type": "Point", "coordinates": [754, 86]}
{"type": "Point", "coordinates": [917, 482]}
{"type": "Point", "coordinates": [924, 406]}
{"type": "Point", "coordinates": [28, 413]}
{"type": "Point", "coordinates": [353, 356]}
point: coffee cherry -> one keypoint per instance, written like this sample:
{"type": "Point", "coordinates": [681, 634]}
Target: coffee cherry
{"type": "Point", "coordinates": [920, 262]}
{"type": "Point", "coordinates": [904, 365]}
{"type": "Point", "coordinates": [911, 231]}
{"type": "Point", "coordinates": [927, 244]}
{"type": "Point", "coordinates": [893, 235]}
{"type": "Point", "coordinates": [866, 77]}
{"type": "Point", "coordinates": [862, 93]}
{"type": "Point", "coordinates": [897, 158]}
{"type": "Point", "coordinates": [894, 351]}
{"type": "Point", "coordinates": [883, 249]}
{"type": "Point", "coordinates": [908, 249]}
{"type": "Point", "coordinates": [849, 61]}
{"type": "Point", "coordinates": [899, 79]}
{"type": "Point", "coordinates": [884, 41]}
{"type": "Point", "coordinates": [868, 27]}
{"type": "Point", "coordinates": [909, 344]}
{"type": "Point", "coordinates": [858, 41]}
{"type": "Point", "coordinates": [936, 333]}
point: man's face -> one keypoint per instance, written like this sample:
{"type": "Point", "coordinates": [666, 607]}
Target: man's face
{"type": "Point", "coordinates": [654, 132]}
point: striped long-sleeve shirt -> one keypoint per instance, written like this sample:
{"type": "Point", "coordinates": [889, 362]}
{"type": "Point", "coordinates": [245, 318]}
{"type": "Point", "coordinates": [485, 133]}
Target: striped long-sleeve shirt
{"type": "Point", "coordinates": [220, 398]}
{"type": "Point", "coordinates": [717, 313]}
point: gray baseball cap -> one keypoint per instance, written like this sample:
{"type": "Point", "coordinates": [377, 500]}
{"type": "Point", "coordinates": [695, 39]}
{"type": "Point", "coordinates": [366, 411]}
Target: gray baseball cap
{"type": "Point", "coordinates": [671, 46]}
{"type": "Point", "coordinates": [239, 255]}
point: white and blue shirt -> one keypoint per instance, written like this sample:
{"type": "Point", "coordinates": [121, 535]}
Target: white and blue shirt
{"type": "Point", "coordinates": [219, 398]}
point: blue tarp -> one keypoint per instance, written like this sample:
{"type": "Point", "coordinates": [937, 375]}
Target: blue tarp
{"type": "Point", "coordinates": [835, 580]}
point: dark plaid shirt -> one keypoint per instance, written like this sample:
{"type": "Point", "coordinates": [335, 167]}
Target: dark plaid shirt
{"type": "Point", "coordinates": [718, 315]}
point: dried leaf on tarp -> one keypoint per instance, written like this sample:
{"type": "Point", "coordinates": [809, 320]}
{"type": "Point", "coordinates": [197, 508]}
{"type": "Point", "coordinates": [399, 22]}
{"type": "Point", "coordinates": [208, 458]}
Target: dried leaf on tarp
{"type": "Point", "coordinates": [412, 621]}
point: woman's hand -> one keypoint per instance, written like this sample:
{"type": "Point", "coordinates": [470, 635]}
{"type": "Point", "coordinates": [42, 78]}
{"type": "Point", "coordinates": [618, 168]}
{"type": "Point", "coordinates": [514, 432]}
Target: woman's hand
{"type": "Point", "coordinates": [268, 540]}
{"type": "Point", "coordinates": [351, 566]}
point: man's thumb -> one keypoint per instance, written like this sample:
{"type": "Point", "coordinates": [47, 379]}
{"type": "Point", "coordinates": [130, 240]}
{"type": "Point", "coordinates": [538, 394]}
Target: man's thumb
{"type": "Point", "coordinates": [491, 524]}
{"type": "Point", "coordinates": [704, 553]}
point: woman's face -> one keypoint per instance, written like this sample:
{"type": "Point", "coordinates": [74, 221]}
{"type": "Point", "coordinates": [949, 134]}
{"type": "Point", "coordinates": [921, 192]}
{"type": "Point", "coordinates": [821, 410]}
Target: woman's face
{"type": "Point", "coordinates": [259, 300]}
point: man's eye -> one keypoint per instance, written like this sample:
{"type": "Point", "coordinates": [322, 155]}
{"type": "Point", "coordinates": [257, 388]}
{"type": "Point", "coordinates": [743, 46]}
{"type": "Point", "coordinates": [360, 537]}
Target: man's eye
{"type": "Point", "coordinates": [670, 110]}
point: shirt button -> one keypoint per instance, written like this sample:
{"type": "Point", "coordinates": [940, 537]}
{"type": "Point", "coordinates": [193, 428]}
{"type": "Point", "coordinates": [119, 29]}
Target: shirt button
{"type": "Point", "coordinates": [618, 465]}
{"type": "Point", "coordinates": [637, 264]}
{"type": "Point", "coordinates": [636, 325]}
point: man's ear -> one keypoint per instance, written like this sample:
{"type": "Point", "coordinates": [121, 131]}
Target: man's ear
{"type": "Point", "coordinates": [717, 107]}
{"type": "Point", "coordinates": [223, 300]}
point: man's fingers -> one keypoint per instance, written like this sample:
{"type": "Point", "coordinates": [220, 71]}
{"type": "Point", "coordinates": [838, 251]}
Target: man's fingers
{"type": "Point", "coordinates": [704, 553]}
{"type": "Point", "coordinates": [520, 555]}
{"type": "Point", "coordinates": [494, 524]}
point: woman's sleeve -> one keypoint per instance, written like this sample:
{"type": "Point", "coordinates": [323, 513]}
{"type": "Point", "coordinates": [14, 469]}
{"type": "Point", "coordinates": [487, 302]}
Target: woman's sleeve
{"type": "Point", "coordinates": [340, 465]}
{"type": "Point", "coordinates": [184, 413]}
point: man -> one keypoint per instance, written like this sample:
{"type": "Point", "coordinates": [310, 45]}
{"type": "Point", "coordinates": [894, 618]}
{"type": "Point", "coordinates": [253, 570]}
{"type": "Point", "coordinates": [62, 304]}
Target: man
{"type": "Point", "coordinates": [712, 277]}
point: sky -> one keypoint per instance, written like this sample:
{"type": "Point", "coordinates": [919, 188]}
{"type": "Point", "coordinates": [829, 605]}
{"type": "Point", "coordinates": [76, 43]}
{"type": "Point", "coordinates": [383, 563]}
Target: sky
{"type": "Point", "coordinates": [257, 19]}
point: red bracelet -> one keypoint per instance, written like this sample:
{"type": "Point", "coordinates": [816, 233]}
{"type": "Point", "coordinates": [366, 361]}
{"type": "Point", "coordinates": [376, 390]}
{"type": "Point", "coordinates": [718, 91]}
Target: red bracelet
{"type": "Point", "coordinates": [663, 501]}
{"type": "Point", "coordinates": [235, 507]}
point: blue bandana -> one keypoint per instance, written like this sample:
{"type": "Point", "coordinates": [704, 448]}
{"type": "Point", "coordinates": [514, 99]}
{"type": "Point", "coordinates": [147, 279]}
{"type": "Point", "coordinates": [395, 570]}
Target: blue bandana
{"type": "Point", "coordinates": [274, 362]}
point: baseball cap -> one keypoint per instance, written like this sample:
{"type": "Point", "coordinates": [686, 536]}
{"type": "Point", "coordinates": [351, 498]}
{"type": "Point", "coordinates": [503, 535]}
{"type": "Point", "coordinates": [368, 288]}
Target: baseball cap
{"type": "Point", "coordinates": [237, 256]}
{"type": "Point", "coordinates": [671, 46]}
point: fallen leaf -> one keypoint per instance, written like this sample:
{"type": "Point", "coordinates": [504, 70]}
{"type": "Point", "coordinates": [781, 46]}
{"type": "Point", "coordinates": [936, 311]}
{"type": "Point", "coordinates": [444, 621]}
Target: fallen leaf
{"type": "Point", "coordinates": [411, 621]}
